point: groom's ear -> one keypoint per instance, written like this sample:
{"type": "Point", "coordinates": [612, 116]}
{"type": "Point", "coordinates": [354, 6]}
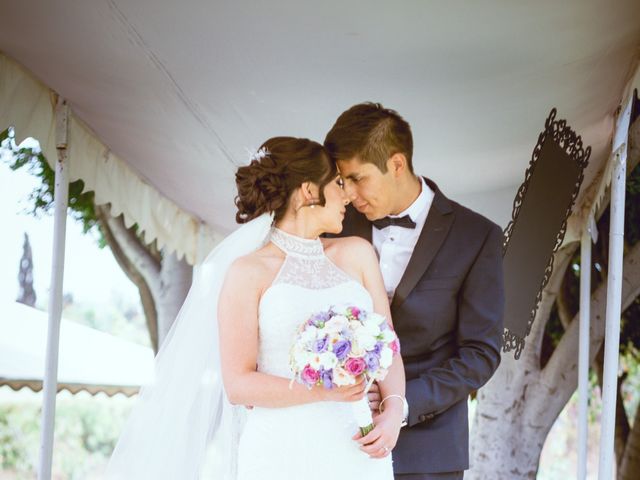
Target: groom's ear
{"type": "Point", "coordinates": [397, 164]}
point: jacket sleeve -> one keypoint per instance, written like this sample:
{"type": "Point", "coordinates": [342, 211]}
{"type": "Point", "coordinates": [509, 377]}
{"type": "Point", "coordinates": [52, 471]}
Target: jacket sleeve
{"type": "Point", "coordinates": [479, 336]}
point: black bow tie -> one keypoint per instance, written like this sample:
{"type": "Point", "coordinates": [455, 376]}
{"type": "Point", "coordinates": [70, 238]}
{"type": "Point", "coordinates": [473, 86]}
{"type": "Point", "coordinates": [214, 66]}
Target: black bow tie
{"type": "Point", "coordinates": [404, 222]}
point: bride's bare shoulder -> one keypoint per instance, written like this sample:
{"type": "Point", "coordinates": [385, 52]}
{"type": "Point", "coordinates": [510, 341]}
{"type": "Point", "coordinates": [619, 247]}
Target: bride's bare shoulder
{"type": "Point", "coordinates": [351, 251]}
{"type": "Point", "coordinates": [255, 269]}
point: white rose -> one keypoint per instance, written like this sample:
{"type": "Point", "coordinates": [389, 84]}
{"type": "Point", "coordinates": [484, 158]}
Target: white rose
{"type": "Point", "coordinates": [365, 340]}
{"type": "Point", "coordinates": [302, 359]}
{"type": "Point", "coordinates": [371, 328]}
{"type": "Point", "coordinates": [315, 361]}
{"type": "Point", "coordinates": [356, 349]}
{"type": "Point", "coordinates": [328, 360]}
{"type": "Point", "coordinates": [388, 335]}
{"type": "Point", "coordinates": [342, 378]}
{"type": "Point", "coordinates": [309, 334]}
{"type": "Point", "coordinates": [386, 357]}
{"type": "Point", "coordinates": [376, 318]}
{"type": "Point", "coordinates": [336, 324]}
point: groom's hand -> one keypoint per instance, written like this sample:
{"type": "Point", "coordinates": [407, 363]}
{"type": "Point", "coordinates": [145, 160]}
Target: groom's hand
{"type": "Point", "coordinates": [374, 398]}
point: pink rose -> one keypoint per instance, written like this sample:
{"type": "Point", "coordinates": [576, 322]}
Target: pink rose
{"type": "Point", "coordinates": [355, 311]}
{"type": "Point", "coordinates": [310, 376]}
{"type": "Point", "coordinates": [355, 366]}
{"type": "Point", "coordinates": [395, 346]}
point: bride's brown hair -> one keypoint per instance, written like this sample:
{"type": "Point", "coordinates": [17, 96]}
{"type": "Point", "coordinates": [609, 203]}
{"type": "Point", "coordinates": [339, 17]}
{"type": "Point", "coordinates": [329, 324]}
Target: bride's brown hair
{"type": "Point", "coordinates": [266, 184]}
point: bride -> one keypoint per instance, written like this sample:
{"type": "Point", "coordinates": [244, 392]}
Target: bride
{"type": "Point", "coordinates": [222, 404]}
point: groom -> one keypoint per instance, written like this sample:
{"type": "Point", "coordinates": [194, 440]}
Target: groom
{"type": "Point", "coordinates": [442, 269]}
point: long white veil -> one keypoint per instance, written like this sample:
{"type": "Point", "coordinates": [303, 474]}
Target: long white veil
{"type": "Point", "coordinates": [183, 423]}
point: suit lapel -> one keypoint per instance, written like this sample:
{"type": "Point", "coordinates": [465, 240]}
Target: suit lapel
{"type": "Point", "coordinates": [435, 230]}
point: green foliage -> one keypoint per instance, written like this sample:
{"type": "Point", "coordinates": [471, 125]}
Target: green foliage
{"type": "Point", "coordinates": [632, 208]}
{"type": "Point", "coordinates": [86, 431]}
{"type": "Point", "coordinates": [19, 432]}
{"type": "Point", "coordinates": [81, 204]}
{"type": "Point", "coordinates": [116, 317]}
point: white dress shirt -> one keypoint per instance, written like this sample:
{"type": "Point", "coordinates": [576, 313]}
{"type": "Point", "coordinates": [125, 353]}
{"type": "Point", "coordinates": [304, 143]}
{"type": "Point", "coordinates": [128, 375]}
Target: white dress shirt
{"type": "Point", "coordinates": [394, 245]}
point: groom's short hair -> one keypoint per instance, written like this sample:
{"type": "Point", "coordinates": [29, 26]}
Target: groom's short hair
{"type": "Point", "coordinates": [371, 133]}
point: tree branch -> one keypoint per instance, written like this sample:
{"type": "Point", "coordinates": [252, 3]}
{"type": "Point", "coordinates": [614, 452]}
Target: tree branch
{"type": "Point", "coordinates": [560, 375]}
{"type": "Point", "coordinates": [132, 272]}
{"type": "Point", "coordinates": [137, 252]}
{"type": "Point", "coordinates": [561, 261]}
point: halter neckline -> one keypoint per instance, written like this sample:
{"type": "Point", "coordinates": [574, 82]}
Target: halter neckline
{"type": "Point", "coordinates": [294, 245]}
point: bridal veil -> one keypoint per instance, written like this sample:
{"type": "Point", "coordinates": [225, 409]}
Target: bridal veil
{"type": "Point", "coordinates": [182, 423]}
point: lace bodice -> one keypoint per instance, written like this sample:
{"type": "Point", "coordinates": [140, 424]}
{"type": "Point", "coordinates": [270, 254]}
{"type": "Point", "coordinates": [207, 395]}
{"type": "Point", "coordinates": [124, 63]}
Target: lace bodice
{"type": "Point", "coordinates": [308, 282]}
{"type": "Point", "coordinates": [306, 265]}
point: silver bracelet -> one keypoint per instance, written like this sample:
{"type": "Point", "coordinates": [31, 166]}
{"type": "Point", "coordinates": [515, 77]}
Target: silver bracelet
{"type": "Point", "coordinates": [380, 409]}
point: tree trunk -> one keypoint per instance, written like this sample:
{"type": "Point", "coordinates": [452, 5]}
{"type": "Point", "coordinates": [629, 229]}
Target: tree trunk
{"type": "Point", "coordinates": [162, 280]}
{"type": "Point", "coordinates": [26, 293]}
{"type": "Point", "coordinates": [518, 406]}
{"type": "Point", "coordinates": [505, 442]}
{"type": "Point", "coordinates": [175, 281]}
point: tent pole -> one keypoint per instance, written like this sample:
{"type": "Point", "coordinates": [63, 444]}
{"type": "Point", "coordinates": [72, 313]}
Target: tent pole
{"type": "Point", "coordinates": [61, 200]}
{"type": "Point", "coordinates": [614, 297]}
{"type": "Point", "coordinates": [583, 355]}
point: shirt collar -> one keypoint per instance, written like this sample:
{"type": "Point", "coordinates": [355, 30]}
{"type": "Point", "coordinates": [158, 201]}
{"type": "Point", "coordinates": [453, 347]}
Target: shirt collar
{"type": "Point", "coordinates": [419, 204]}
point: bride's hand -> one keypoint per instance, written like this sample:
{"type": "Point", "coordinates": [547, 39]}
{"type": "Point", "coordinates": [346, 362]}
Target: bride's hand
{"type": "Point", "coordinates": [379, 442]}
{"type": "Point", "coordinates": [347, 393]}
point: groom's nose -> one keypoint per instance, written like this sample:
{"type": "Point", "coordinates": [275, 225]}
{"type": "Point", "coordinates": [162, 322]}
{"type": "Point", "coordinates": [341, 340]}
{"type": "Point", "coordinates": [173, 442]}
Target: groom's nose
{"type": "Point", "coordinates": [350, 191]}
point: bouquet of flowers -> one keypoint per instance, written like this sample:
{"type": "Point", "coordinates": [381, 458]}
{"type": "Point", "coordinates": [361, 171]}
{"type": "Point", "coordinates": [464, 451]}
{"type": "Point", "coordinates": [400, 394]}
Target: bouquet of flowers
{"type": "Point", "coordinates": [333, 348]}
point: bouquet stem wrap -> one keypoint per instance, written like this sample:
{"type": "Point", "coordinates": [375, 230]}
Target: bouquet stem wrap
{"type": "Point", "coordinates": [362, 414]}
{"type": "Point", "coordinates": [362, 411]}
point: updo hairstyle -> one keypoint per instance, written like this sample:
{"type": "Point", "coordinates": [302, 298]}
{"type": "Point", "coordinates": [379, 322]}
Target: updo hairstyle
{"type": "Point", "coordinates": [266, 184]}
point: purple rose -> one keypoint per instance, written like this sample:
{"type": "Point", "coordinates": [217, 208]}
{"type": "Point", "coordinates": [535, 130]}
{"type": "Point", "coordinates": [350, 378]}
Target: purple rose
{"type": "Point", "coordinates": [378, 348]}
{"type": "Point", "coordinates": [372, 360]}
{"type": "Point", "coordinates": [319, 319]}
{"type": "Point", "coordinates": [321, 345]}
{"type": "Point", "coordinates": [341, 349]}
{"type": "Point", "coordinates": [326, 377]}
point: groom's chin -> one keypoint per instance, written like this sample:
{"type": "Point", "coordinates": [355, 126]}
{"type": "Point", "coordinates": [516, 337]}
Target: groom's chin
{"type": "Point", "coordinates": [371, 216]}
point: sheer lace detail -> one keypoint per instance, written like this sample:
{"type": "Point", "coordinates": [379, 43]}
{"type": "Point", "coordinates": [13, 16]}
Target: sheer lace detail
{"type": "Point", "coordinates": [306, 265]}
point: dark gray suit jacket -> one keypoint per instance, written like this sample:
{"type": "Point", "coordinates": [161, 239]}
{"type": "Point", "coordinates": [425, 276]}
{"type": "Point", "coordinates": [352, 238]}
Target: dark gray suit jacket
{"type": "Point", "coordinates": [447, 311]}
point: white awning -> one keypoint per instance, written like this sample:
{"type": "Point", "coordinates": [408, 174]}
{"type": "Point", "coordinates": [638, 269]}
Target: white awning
{"type": "Point", "coordinates": [89, 360]}
{"type": "Point", "coordinates": [166, 97]}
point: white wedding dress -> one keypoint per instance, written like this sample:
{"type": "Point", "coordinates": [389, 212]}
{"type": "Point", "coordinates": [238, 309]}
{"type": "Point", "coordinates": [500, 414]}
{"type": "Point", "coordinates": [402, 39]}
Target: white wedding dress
{"type": "Point", "coordinates": [312, 441]}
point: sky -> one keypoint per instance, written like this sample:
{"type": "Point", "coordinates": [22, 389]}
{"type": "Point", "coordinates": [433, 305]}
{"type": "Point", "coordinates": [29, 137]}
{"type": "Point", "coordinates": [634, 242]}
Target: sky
{"type": "Point", "coordinates": [91, 275]}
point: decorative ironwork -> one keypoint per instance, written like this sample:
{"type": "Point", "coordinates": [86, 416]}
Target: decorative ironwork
{"type": "Point", "coordinates": [571, 144]}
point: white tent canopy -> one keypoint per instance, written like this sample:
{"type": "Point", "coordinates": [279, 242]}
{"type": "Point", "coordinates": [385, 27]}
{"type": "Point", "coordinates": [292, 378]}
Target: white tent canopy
{"type": "Point", "coordinates": [90, 360]}
{"type": "Point", "coordinates": [167, 96]}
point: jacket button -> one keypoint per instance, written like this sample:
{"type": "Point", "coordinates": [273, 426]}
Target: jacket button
{"type": "Point", "coordinates": [422, 418]}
